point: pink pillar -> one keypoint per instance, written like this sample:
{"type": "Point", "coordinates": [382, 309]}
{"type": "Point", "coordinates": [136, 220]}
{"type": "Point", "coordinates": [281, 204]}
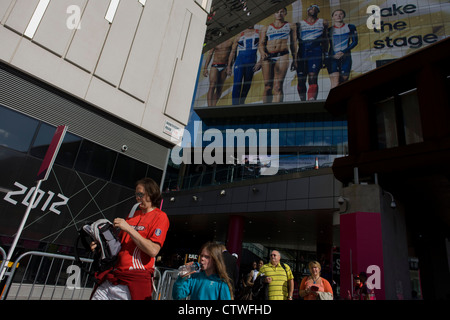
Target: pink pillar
{"type": "Point", "coordinates": [360, 246]}
{"type": "Point", "coordinates": [235, 234]}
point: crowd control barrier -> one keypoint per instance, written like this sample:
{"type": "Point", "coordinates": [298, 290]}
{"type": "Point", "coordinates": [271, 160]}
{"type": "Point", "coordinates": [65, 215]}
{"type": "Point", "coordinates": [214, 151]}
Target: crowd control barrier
{"type": "Point", "coordinates": [166, 285]}
{"type": "Point", "coordinates": [48, 276]}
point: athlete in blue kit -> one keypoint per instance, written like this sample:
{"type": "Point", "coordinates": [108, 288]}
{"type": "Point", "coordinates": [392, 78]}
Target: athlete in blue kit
{"type": "Point", "coordinates": [313, 44]}
{"type": "Point", "coordinates": [244, 52]}
{"type": "Point", "coordinates": [343, 38]}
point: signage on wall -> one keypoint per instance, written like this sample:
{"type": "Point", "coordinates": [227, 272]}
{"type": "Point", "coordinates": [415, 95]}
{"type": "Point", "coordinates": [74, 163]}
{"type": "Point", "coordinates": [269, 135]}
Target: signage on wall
{"type": "Point", "coordinates": [47, 202]}
{"type": "Point", "coordinates": [399, 11]}
{"type": "Point", "coordinates": [173, 130]}
{"type": "Point", "coordinates": [43, 174]}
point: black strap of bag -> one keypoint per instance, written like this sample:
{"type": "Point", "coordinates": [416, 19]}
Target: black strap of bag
{"type": "Point", "coordinates": [260, 288]}
{"type": "Point", "coordinates": [83, 238]}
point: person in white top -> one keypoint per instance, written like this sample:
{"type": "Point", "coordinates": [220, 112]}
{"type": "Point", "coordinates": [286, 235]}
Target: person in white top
{"type": "Point", "coordinates": [254, 272]}
{"type": "Point", "coordinates": [274, 44]}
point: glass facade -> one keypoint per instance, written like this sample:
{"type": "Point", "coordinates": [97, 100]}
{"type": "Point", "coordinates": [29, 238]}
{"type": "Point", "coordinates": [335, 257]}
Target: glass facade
{"type": "Point", "coordinates": [299, 54]}
{"type": "Point", "coordinates": [87, 182]}
{"type": "Point", "coordinates": [304, 140]}
{"type": "Point", "coordinates": [398, 120]}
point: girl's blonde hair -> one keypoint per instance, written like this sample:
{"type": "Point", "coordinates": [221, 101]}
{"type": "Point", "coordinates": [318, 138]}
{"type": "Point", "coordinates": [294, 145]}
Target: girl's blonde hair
{"type": "Point", "coordinates": [215, 251]}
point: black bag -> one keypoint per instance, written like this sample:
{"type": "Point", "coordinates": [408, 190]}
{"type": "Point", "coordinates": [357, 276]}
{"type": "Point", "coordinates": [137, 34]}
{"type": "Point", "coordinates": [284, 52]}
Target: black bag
{"type": "Point", "coordinates": [108, 244]}
{"type": "Point", "coordinates": [260, 289]}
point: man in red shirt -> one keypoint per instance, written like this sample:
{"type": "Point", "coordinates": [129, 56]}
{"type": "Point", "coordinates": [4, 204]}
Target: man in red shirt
{"type": "Point", "coordinates": [142, 235]}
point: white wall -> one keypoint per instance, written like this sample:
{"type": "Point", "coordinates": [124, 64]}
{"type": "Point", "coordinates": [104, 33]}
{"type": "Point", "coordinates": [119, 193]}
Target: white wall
{"type": "Point", "coordinates": [141, 67]}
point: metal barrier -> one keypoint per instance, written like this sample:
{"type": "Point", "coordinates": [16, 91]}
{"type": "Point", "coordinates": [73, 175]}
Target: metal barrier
{"type": "Point", "coordinates": [47, 279]}
{"type": "Point", "coordinates": [3, 253]}
{"type": "Point", "coordinates": [166, 285]}
{"type": "Point", "coordinates": [48, 276]}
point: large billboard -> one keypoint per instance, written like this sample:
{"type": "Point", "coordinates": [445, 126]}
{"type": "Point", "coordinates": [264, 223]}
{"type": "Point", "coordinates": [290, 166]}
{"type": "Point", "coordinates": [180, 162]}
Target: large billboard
{"type": "Point", "coordinates": [299, 53]}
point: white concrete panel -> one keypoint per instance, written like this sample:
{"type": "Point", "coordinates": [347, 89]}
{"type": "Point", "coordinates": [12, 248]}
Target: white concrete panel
{"type": "Point", "coordinates": [4, 5]}
{"type": "Point", "coordinates": [53, 32]}
{"type": "Point", "coordinates": [183, 82]}
{"type": "Point", "coordinates": [21, 15]}
{"type": "Point", "coordinates": [9, 40]}
{"type": "Point", "coordinates": [118, 43]}
{"type": "Point", "coordinates": [155, 122]}
{"type": "Point", "coordinates": [172, 50]}
{"type": "Point", "coordinates": [44, 65]}
{"type": "Point", "coordinates": [145, 52]}
{"type": "Point", "coordinates": [108, 98]}
{"type": "Point", "coordinates": [88, 41]}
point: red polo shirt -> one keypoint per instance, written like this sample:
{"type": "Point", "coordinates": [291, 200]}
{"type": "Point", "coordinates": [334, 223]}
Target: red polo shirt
{"type": "Point", "coordinates": [152, 225]}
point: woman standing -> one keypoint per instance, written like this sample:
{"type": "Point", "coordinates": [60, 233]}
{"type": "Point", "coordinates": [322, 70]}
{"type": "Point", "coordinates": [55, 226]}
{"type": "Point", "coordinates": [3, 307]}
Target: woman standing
{"type": "Point", "coordinates": [274, 44]}
{"type": "Point", "coordinates": [142, 236]}
{"type": "Point", "coordinates": [314, 287]}
{"type": "Point", "coordinates": [211, 283]}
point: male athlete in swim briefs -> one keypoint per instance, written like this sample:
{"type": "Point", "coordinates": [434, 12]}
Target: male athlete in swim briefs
{"type": "Point", "coordinates": [217, 73]}
{"type": "Point", "coordinates": [343, 38]}
{"type": "Point", "coordinates": [313, 44]}
{"type": "Point", "coordinates": [274, 51]}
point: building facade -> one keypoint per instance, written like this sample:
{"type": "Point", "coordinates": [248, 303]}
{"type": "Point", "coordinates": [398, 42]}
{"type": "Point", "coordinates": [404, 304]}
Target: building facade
{"type": "Point", "coordinates": [120, 75]}
{"type": "Point", "coordinates": [123, 76]}
{"type": "Point", "coordinates": [399, 137]}
{"type": "Point", "coordinates": [246, 95]}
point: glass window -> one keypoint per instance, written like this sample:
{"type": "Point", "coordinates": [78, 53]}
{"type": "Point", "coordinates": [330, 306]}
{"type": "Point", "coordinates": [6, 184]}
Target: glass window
{"type": "Point", "coordinates": [95, 160]}
{"type": "Point", "coordinates": [288, 163]}
{"type": "Point", "coordinates": [327, 137]}
{"type": "Point", "coordinates": [337, 136]}
{"type": "Point", "coordinates": [67, 152]}
{"type": "Point", "coordinates": [282, 137]}
{"type": "Point", "coordinates": [411, 117]}
{"type": "Point", "coordinates": [16, 130]}
{"type": "Point", "coordinates": [155, 173]}
{"type": "Point", "coordinates": [309, 138]}
{"type": "Point", "coordinates": [309, 120]}
{"type": "Point", "coordinates": [290, 138]}
{"type": "Point", "coordinates": [386, 124]}
{"type": "Point", "coordinates": [318, 137]}
{"type": "Point", "coordinates": [300, 137]}
{"type": "Point", "coordinates": [127, 171]}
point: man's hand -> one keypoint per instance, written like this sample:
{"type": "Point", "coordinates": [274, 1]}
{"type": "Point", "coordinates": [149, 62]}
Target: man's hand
{"type": "Point", "coordinates": [121, 224]}
{"type": "Point", "coordinates": [268, 280]}
{"type": "Point", "coordinates": [93, 246]}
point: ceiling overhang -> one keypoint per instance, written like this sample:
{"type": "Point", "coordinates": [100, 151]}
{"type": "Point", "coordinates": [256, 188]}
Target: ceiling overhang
{"type": "Point", "coordinates": [228, 17]}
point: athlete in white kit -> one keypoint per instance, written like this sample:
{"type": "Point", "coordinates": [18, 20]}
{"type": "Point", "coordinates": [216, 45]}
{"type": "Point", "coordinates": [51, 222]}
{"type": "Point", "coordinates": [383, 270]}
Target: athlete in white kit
{"type": "Point", "coordinates": [275, 41]}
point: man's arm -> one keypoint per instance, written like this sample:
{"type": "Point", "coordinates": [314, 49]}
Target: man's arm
{"type": "Point", "coordinates": [290, 284]}
{"type": "Point", "coordinates": [293, 44]}
{"type": "Point", "coordinates": [353, 38]}
{"type": "Point", "coordinates": [146, 245]}
{"type": "Point", "coordinates": [232, 56]}
{"type": "Point", "coordinates": [262, 43]}
{"type": "Point", "coordinates": [208, 60]}
{"type": "Point", "coordinates": [325, 40]}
